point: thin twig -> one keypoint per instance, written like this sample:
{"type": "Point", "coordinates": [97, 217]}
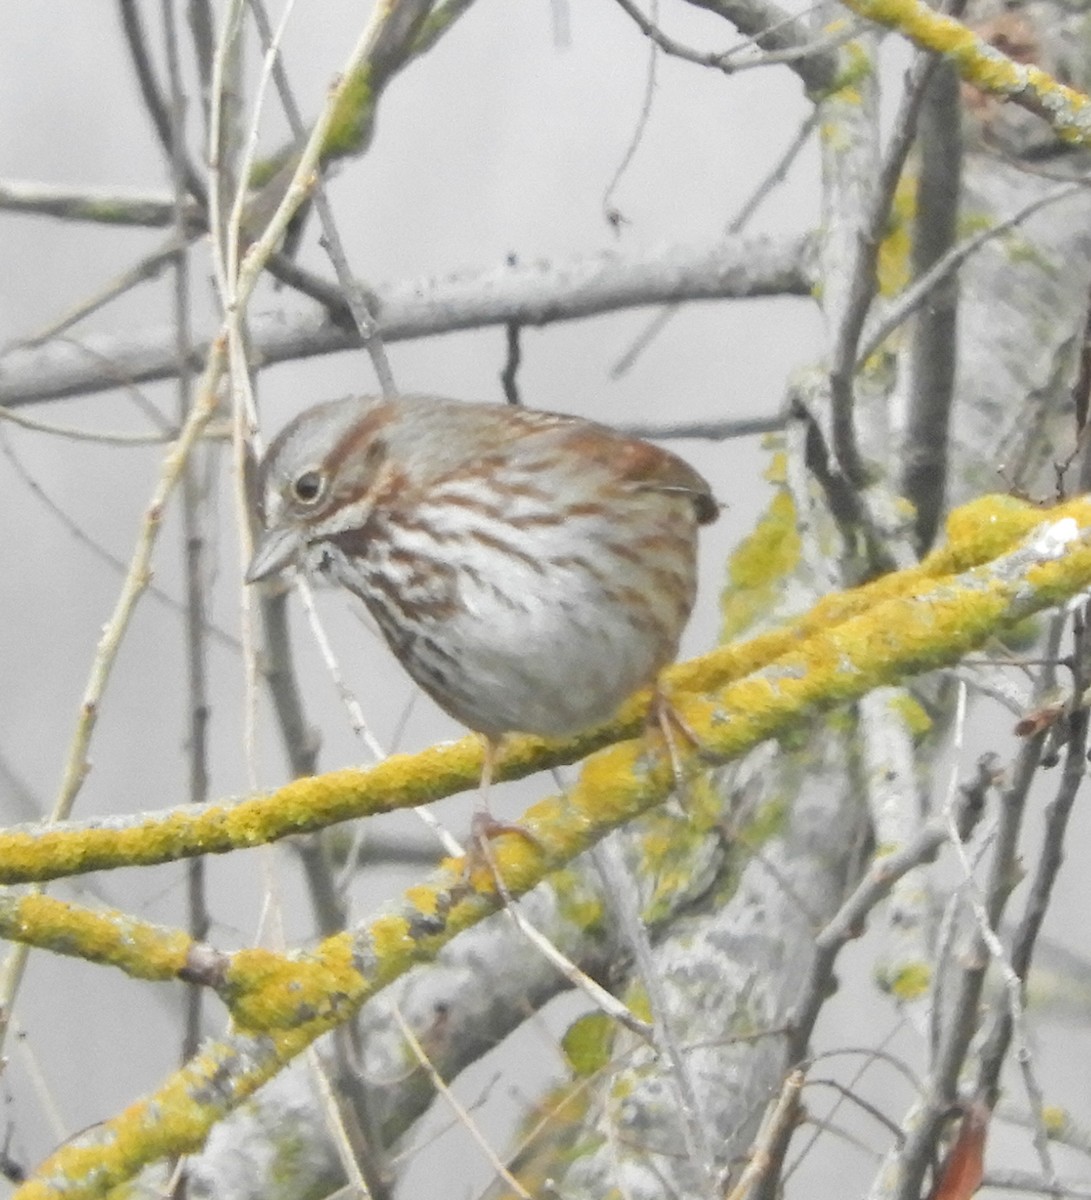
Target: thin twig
{"type": "Point", "coordinates": [610, 213]}
{"type": "Point", "coordinates": [151, 266]}
{"type": "Point", "coordinates": [914, 295]}
{"type": "Point", "coordinates": [735, 226]}
{"type": "Point", "coordinates": [163, 114]}
{"type": "Point", "coordinates": [359, 723]}
{"type": "Point", "coordinates": [117, 206]}
{"type": "Point", "coordinates": [39, 1083]}
{"type": "Point", "coordinates": [607, 1003]}
{"type": "Point", "coordinates": [1013, 1180]}
{"type": "Point", "coordinates": [844, 926]}
{"type": "Point", "coordinates": [301, 743]}
{"type": "Point", "coordinates": [193, 496]}
{"type": "Point", "coordinates": [777, 31]}
{"type": "Point", "coordinates": [773, 1127]}
{"type": "Point", "coordinates": [846, 1093]}
{"type": "Point", "coordinates": [986, 909]}
{"type": "Point", "coordinates": [620, 893]}
{"type": "Point", "coordinates": [351, 287]}
{"type": "Point", "coordinates": [509, 376]}
{"type": "Point", "coordinates": [335, 1123]}
{"type": "Point", "coordinates": [933, 348]}
{"type": "Point", "coordinates": [870, 1055]}
{"type": "Point", "coordinates": [725, 60]}
{"type": "Point", "coordinates": [467, 1122]}
{"type": "Point", "coordinates": [279, 267]}
{"type": "Point", "coordinates": [1010, 1021]}
{"type": "Point", "coordinates": [135, 583]}
{"type": "Point", "coordinates": [136, 580]}
{"type": "Point", "coordinates": [394, 15]}
{"type": "Point", "coordinates": [71, 433]}
{"type": "Point", "coordinates": [116, 564]}
{"type": "Point", "coordinates": [911, 1161]}
{"type": "Point", "coordinates": [710, 431]}
{"type": "Point", "coordinates": [225, 215]}
{"type": "Point", "coordinates": [863, 282]}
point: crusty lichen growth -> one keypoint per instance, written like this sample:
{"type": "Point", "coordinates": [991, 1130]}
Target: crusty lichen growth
{"type": "Point", "coordinates": [913, 715]}
{"type": "Point", "coordinates": [174, 1121]}
{"type": "Point", "coordinates": [352, 119]}
{"type": "Point", "coordinates": [956, 619]}
{"type": "Point", "coordinates": [588, 1043]}
{"type": "Point", "coordinates": [112, 938]}
{"type": "Point", "coordinates": [759, 567]}
{"type": "Point", "coordinates": [894, 265]}
{"type": "Point", "coordinates": [855, 67]}
{"type": "Point", "coordinates": [36, 853]}
{"type": "Point", "coordinates": [909, 982]}
{"type": "Point", "coordinates": [990, 575]}
{"type": "Point", "coordinates": [987, 68]}
{"type": "Point", "coordinates": [1057, 1120]}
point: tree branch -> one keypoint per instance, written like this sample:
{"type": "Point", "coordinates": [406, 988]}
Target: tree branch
{"type": "Point", "coordinates": [1067, 111]}
{"type": "Point", "coordinates": [534, 294]}
{"type": "Point", "coordinates": [776, 30]}
{"type": "Point", "coordinates": [734, 698]}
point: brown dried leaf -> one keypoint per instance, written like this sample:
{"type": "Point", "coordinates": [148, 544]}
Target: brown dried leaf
{"type": "Point", "coordinates": [964, 1167]}
{"type": "Point", "coordinates": [1041, 718]}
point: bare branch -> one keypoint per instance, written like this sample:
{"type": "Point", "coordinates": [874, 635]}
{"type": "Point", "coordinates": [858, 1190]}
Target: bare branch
{"type": "Point", "coordinates": [776, 30]}
{"type": "Point", "coordinates": [933, 348]}
{"type": "Point", "coordinates": [914, 295]}
{"type": "Point", "coordinates": [863, 283]}
{"type": "Point", "coordinates": [107, 207]}
{"type": "Point", "coordinates": [534, 294]}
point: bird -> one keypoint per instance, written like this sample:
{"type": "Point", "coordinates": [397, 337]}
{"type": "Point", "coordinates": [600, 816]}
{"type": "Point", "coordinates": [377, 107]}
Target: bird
{"type": "Point", "coordinates": [530, 570]}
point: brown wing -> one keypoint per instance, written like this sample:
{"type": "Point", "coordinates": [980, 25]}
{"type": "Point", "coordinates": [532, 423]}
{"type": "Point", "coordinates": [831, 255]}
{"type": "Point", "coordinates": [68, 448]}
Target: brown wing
{"type": "Point", "coordinates": [646, 466]}
{"type": "Point", "coordinates": [629, 459]}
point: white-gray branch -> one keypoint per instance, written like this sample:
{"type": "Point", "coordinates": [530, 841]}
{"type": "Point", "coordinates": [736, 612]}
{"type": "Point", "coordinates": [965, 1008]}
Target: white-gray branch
{"type": "Point", "coordinates": [535, 293]}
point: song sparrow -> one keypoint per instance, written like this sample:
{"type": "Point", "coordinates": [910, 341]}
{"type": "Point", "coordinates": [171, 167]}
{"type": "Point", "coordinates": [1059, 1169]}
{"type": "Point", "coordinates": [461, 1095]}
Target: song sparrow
{"type": "Point", "coordinates": [529, 570]}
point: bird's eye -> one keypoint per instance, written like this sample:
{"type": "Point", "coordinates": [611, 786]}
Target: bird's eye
{"type": "Point", "coordinates": [308, 486]}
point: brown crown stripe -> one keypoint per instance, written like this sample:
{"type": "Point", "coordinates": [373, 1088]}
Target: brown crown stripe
{"type": "Point", "coordinates": [358, 435]}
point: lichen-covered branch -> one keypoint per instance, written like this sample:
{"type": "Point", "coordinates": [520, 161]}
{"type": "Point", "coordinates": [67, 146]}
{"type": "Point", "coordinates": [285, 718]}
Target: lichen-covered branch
{"type": "Point", "coordinates": [1067, 110]}
{"type": "Point", "coordinates": [396, 33]}
{"type": "Point", "coordinates": [101, 206]}
{"type": "Point", "coordinates": [850, 642]}
{"type": "Point", "coordinates": [918, 621]}
{"type": "Point", "coordinates": [109, 937]}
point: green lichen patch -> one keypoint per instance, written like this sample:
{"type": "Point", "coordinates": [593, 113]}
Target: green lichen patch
{"type": "Point", "coordinates": [760, 566]}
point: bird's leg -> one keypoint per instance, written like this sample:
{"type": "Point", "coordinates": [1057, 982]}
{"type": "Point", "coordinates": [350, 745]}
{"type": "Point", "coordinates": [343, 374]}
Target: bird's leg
{"type": "Point", "coordinates": [663, 715]}
{"type": "Point", "coordinates": [484, 825]}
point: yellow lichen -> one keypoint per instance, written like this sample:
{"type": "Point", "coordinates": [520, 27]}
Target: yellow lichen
{"type": "Point", "coordinates": [759, 566]}
{"type": "Point", "coordinates": [575, 902]}
{"type": "Point", "coordinates": [351, 121]}
{"type": "Point", "coordinates": [846, 646]}
{"type": "Point", "coordinates": [1055, 1119]}
{"type": "Point", "coordinates": [982, 65]}
{"type": "Point", "coordinates": [588, 1043]}
{"type": "Point", "coordinates": [391, 936]}
{"type": "Point", "coordinates": [894, 267]}
{"type": "Point", "coordinates": [424, 898]}
{"type": "Point", "coordinates": [855, 66]}
{"type": "Point", "coordinates": [142, 950]}
{"type": "Point", "coordinates": [909, 982]}
{"type": "Point", "coordinates": [913, 714]}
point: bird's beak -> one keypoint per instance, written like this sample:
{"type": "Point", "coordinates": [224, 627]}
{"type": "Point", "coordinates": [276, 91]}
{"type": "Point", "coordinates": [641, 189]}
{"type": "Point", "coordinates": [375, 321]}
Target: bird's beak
{"type": "Point", "coordinates": [276, 549]}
